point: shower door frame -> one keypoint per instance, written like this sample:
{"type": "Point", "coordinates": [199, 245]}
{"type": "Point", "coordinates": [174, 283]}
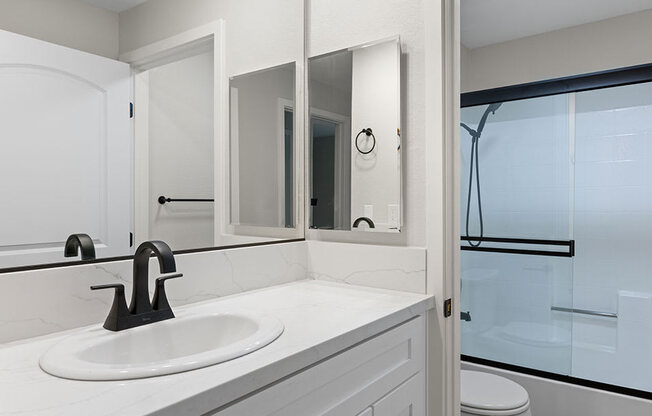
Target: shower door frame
{"type": "Point", "coordinates": [566, 85]}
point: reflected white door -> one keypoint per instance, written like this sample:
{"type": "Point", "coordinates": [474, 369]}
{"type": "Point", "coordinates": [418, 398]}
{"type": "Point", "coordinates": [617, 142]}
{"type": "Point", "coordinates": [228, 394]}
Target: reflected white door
{"type": "Point", "coordinates": [65, 151]}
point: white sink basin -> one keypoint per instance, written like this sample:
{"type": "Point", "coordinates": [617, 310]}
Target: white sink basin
{"type": "Point", "coordinates": [184, 343]}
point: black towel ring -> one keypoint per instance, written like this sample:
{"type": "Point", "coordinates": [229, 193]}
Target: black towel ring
{"type": "Point", "coordinates": [368, 132]}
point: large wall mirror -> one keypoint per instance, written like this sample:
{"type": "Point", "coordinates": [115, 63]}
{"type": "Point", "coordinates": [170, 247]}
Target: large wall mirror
{"type": "Point", "coordinates": [147, 130]}
{"type": "Point", "coordinates": [355, 138]}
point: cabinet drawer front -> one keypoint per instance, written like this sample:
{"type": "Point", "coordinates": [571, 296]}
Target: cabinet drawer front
{"type": "Point", "coordinates": [347, 383]}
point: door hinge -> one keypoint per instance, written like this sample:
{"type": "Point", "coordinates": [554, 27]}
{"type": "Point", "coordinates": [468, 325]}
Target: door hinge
{"type": "Point", "coordinates": [448, 307]}
{"type": "Point", "coordinates": [131, 110]}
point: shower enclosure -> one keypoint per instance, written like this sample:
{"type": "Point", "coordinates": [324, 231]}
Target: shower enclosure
{"type": "Point", "coordinates": [556, 217]}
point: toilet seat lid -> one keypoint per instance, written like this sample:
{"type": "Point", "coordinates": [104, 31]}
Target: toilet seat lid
{"type": "Point", "coordinates": [486, 391]}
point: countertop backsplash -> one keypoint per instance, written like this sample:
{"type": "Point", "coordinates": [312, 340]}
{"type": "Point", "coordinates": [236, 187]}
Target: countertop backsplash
{"type": "Point", "coordinates": [40, 302]}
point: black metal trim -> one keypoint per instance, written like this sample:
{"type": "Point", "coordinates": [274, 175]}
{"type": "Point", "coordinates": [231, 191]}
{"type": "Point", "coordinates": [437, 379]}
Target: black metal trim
{"type": "Point", "coordinates": [560, 377]}
{"type": "Point", "coordinates": [121, 258]}
{"type": "Point", "coordinates": [567, 243]}
{"type": "Point", "coordinates": [576, 83]}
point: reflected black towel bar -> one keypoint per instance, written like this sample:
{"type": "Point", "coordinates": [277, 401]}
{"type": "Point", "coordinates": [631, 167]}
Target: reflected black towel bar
{"type": "Point", "coordinates": [162, 200]}
{"type": "Point", "coordinates": [567, 243]}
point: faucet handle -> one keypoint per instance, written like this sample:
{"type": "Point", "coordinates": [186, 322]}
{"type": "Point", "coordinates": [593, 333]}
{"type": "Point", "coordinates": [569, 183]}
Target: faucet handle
{"type": "Point", "coordinates": [119, 287]}
{"type": "Point", "coordinates": [119, 307]}
{"type": "Point", "coordinates": [160, 298]}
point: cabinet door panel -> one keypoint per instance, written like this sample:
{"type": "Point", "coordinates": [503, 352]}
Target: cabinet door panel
{"type": "Point", "coordinates": [408, 399]}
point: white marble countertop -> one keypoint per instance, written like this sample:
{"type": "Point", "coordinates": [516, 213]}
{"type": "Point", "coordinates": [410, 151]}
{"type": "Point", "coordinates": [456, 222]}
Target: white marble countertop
{"type": "Point", "coordinates": [320, 319]}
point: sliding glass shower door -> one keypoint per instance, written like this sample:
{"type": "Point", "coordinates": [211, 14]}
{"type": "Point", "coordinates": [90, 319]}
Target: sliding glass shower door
{"type": "Point", "coordinates": [556, 263]}
{"type": "Point", "coordinates": [517, 224]}
{"type": "Point", "coordinates": [613, 225]}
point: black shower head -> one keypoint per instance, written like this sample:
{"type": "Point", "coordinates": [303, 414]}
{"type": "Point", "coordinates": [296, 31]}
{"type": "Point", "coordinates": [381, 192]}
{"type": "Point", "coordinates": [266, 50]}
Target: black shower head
{"type": "Point", "coordinates": [490, 109]}
{"type": "Point", "coordinates": [493, 107]}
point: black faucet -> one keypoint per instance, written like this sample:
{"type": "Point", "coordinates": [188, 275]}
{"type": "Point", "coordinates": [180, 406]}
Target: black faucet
{"type": "Point", "coordinates": [79, 243]}
{"type": "Point", "coordinates": [365, 219]}
{"type": "Point", "coordinates": [141, 311]}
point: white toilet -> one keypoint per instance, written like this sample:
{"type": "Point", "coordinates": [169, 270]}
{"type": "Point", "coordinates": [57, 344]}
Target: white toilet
{"type": "Point", "coordinates": [491, 395]}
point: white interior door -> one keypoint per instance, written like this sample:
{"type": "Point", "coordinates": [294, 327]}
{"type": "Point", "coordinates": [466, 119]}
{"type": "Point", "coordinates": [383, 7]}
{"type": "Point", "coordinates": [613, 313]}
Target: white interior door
{"type": "Point", "coordinates": [65, 158]}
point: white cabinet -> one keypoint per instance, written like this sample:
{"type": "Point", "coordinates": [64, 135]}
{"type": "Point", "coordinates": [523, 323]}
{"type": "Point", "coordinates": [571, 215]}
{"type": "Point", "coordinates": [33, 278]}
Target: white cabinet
{"type": "Point", "coordinates": [406, 400]}
{"type": "Point", "coordinates": [382, 376]}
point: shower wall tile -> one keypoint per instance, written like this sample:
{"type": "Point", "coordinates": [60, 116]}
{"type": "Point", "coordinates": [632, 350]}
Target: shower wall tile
{"type": "Point", "coordinates": [613, 197]}
{"type": "Point", "coordinates": [39, 302]}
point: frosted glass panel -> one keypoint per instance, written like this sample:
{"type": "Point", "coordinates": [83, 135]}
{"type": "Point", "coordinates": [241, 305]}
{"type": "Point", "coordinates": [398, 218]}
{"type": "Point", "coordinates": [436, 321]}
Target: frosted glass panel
{"type": "Point", "coordinates": [613, 223]}
{"type": "Point", "coordinates": [524, 155]}
{"type": "Point", "coordinates": [509, 298]}
{"type": "Point", "coordinates": [524, 169]}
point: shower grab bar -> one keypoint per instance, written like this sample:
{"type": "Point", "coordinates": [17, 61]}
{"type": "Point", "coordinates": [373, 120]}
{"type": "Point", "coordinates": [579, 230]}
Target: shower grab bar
{"type": "Point", "coordinates": [162, 200]}
{"type": "Point", "coordinates": [567, 243]}
{"type": "Point", "coordinates": [585, 312]}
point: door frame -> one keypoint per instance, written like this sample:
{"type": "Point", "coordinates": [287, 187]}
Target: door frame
{"type": "Point", "coordinates": [283, 106]}
{"type": "Point", "coordinates": [190, 43]}
{"type": "Point", "coordinates": [342, 161]}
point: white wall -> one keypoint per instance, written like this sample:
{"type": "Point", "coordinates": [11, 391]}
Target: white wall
{"type": "Point", "coordinates": [181, 151]}
{"type": "Point", "coordinates": [72, 23]}
{"type": "Point", "coordinates": [375, 104]}
{"type": "Point", "coordinates": [612, 43]}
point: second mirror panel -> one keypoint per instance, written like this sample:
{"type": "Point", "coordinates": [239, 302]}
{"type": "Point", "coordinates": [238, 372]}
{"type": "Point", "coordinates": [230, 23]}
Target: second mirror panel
{"type": "Point", "coordinates": [262, 148]}
{"type": "Point", "coordinates": [355, 142]}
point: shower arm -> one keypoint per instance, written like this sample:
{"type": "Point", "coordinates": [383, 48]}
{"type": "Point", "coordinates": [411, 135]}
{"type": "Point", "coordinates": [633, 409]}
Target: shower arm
{"type": "Point", "coordinates": [472, 132]}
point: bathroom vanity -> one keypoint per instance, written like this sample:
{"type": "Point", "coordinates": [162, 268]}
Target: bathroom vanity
{"type": "Point", "coordinates": [345, 350]}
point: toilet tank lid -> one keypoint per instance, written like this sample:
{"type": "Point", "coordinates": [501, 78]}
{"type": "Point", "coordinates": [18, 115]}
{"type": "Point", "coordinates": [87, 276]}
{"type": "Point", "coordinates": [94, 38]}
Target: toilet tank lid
{"type": "Point", "coordinates": [490, 392]}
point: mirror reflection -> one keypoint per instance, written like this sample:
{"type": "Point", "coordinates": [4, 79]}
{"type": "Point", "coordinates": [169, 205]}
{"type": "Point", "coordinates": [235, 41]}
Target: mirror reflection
{"type": "Point", "coordinates": [355, 143]}
{"type": "Point", "coordinates": [145, 131]}
{"type": "Point", "coordinates": [181, 143]}
{"type": "Point", "coordinates": [262, 147]}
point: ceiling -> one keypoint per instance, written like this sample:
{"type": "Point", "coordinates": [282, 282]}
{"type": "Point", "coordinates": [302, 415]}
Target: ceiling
{"type": "Point", "coordinates": [115, 5]}
{"type": "Point", "coordinates": [485, 22]}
